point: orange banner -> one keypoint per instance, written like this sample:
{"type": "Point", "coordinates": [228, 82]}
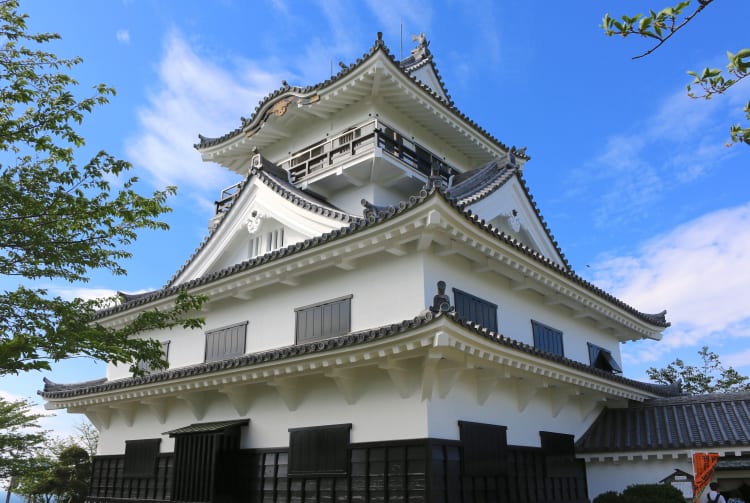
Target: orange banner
{"type": "Point", "coordinates": [703, 468]}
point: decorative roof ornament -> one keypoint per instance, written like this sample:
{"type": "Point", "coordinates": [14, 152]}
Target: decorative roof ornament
{"type": "Point", "coordinates": [436, 179]}
{"type": "Point", "coordinates": [421, 51]}
{"type": "Point", "coordinates": [441, 302]}
{"type": "Point", "coordinates": [514, 220]}
{"type": "Point", "coordinates": [254, 221]}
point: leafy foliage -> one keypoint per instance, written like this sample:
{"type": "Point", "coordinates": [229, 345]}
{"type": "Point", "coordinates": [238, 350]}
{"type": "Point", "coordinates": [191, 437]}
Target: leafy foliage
{"type": "Point", "coordinates": [59, 219]}
{"type": "Point", "coordinates": [661, 26]}
{"type": "Point", "coordinates": [65, 476]}
{"type": "Point", "coordinates": [709, 377]}
{"type": "Point", "coordinates": [21, 438]}
{"type": "Point", "coordinates": [643, 493]}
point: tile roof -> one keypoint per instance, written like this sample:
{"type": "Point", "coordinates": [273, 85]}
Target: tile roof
{"type": "Point", "coordinates": [211, 427]}
{"type": "Point", "coordinates": [303, 94]}
{"type": "Point", "coordinates": [286, 190]}
{"type": "Point", "coordinates": [677, 423]}
{"type": "Point", "coordinates": [60, 391]}
{"type": "Point", "coordinates": [374, 217]}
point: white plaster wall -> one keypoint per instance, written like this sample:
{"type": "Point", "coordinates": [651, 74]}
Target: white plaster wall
{"type": "Point", "coordinates": [616, 476]}
{"type": "Point", "coordinates": [379, 413]}
{"type": "Point", "coordinates": [385, 289]}
{"type": "Point", "coordinates": [503, 408]}
{"type": "Point", "coordinates": [516, 309]}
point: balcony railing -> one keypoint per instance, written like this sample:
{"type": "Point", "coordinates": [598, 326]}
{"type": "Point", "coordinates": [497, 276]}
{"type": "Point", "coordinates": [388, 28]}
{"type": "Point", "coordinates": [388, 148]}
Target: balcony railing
{"type": "Point", "coordinates": [331, 153]}
{"type": "Point", "coordinates": [228, 196]}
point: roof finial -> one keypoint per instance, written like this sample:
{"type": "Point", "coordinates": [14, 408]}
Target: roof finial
{"type": "Point", "coordinates": [420, 51]}
{"type": "Point", "coordinates": [441, 302]}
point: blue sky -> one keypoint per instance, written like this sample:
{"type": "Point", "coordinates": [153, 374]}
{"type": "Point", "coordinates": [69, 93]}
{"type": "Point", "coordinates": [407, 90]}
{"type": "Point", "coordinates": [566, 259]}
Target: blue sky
{"type": "Point", "coordinates": [632, 176]}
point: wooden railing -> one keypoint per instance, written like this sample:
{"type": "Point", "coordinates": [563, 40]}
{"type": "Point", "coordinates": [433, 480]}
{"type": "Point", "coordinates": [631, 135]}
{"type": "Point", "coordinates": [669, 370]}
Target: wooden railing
{"type": "Point", "coordinates": [331, 153]}
{"type": "Point", "coordinates": [228, 196]}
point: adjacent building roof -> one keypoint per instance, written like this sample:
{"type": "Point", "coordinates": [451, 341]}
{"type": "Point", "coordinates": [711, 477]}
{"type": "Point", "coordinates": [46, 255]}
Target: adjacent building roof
{"type": "Point", "coordinates": [62, 391]}
{"type": "Point", "coordinates": [677, 423]}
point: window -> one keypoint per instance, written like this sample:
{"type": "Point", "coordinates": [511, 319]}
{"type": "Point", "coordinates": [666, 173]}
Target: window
{"type": "Point", "coordinates": [319, 451]}
{"type": "Point", "coordinates": [270, 241]}
{"type": "Point", "coordinates": [140, 458]}
{"type": "Point", "coordinates": [145, 367]}
{"type": "Point", "coordinates": [559, 454]}
{"type": "Point", "coordinates": [254, 247]}
{"type": "Point", "coordinates": [321, 321]}
{"type": "Point", "coordinates": [602, 359]}
{"type": "Point", "coordinates": [275, 239]}
{"type": "Point", "coordinates": [226, 342]}
{"type": "Point", "coordinates": [475, 309]}
{"type": "Point", "coordinates": [484, 448]}
{"type": "Point", "coordinates": [547, 339]}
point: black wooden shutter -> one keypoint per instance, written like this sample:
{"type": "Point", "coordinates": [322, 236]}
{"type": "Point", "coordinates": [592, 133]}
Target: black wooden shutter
{"type": "Point", "coordinates": [473, 308]}
{"type": "Point", "coordinates": [484, 448]}
{"type": "Point", "coordinates": [547, 339]}
{"type": "Point", "coordinates": [227, 342]}
{"type": "Point", "coordinates": [319, 451]}
{"type": "Point", "coordinates": [140, 458]}
{"type": "Point", "coordinates": [324, 320]}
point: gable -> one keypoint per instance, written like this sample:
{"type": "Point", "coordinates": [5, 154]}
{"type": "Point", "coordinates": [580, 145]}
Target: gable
{"type": "Point", "coordinates": [267, 214]}
{"type": "Point", "coordinates": [496, 193]}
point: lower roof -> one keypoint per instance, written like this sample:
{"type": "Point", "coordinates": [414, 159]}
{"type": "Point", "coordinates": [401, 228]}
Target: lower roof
{"type": "Point", "coordinates": [718, 420]}
{"type": "Point", "coordinates": [55, 391]}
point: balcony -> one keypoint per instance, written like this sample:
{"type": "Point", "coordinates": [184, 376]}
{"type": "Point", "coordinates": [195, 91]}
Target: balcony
{"type": "Point", "coordinates": [337, 152]}
{"type": "Point", "coordinates": [350, 149]}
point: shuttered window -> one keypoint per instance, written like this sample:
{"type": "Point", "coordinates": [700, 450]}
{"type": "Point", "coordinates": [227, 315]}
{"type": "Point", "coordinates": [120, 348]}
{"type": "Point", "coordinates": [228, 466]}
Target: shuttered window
{"type": "Point", "coordinates": [144, 366]}
{"type": "Point", "coordinates": [602, 359]}
{"type": "Point", "coordinates": [547, 339]}
{"type": "Point", "coordinates": [227, 342]}
{"type": "Point", "coordinates": [321, 321]}
{"type": "Point", "coordinates": [319, 451]}
{"type": "Point", "coordinates": [484, 448]}
{"type": "Point", "coordinates": [470, 307]}
{"type": "Point", "coordinates": [559, 454]}
{"type": "Point", "coordinates": [140, 458]}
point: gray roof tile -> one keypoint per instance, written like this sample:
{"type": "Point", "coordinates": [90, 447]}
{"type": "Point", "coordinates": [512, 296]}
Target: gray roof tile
{"type": "Point", "coordinates": [676, 423]}
{"type": "Point", "coordinates": [58, 391]}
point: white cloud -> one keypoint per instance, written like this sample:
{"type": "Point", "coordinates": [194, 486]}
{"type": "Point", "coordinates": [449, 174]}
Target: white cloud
{"type": "Point", "coordinates": [677, 144]}
{"type": "Point", "coordinates": [700, 272]}
{"type": "Point", "coordinates": [123, 36]}
{"type": "Point", "coordinates": [192, 96]}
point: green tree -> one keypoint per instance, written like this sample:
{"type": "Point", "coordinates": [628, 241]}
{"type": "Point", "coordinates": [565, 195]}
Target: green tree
{"type": "Point", "coordinates": [59, 219]}
{"type": "Point", "coordinates": [661, 26]}
{"type": "Point", "coordinates": [62, 472]}
{"type": "Point", "coordinates": [21, 438]}
{"type": "Point", "coordinates": [708, 377]}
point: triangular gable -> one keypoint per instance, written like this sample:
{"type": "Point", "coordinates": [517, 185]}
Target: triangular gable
{"type": "Point", "coordinates": [427, 75]}
{"type": "Point", "coordinates": [496, 193]}
{"type": "Point", "coordinates": [267, 215]}
{"type": "Point", "coordinates": [509, 210]}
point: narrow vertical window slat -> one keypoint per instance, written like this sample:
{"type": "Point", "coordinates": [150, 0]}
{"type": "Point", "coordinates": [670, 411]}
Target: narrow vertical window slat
{"type": "Point", "coordinates": [324, 320]}
{"type": "Point", "coordinates": [227, 342]}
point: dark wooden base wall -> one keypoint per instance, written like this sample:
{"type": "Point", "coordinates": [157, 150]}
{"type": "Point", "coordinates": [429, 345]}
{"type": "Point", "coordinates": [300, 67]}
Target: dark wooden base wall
{"type": "Point", "coordinates": [404, 471]}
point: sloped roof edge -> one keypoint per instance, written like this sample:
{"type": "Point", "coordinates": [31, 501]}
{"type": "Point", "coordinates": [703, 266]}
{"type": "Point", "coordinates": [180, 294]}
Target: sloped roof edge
{"type": "Point", "coordinates": [61, 391]}
{"type": "Point", "coordinates": [307, 93]}
{"type": "Point", "coordinates": [373, 218]}
{"type": "Point", "coordinates": [286, 190]}
{"type": "Point", "coordinates": [684, 422]}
